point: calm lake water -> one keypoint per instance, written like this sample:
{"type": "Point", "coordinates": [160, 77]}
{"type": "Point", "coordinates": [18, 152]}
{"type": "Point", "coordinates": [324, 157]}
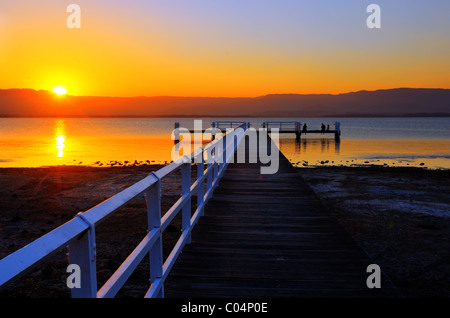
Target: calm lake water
{"type": "Point", "coordinates": [34, 142]}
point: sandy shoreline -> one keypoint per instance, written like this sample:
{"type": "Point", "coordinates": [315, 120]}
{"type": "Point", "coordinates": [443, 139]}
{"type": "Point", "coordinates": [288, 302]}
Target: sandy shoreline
{"type": "Point", "coordinates": [34, 201]}
{"type": "Point", "coordinates": [401, 218]}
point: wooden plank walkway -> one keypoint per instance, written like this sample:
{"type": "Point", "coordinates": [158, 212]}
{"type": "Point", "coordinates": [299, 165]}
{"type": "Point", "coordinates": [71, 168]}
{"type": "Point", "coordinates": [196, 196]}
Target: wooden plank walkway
{"type": "Point", "coordinates": [270, 236]}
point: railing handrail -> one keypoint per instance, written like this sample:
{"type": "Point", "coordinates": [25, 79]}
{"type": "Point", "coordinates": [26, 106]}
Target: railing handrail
{"type": "Point", "coordinates": [83, 224]}
{"type": "Point", "coordinates": [217, 123]}
{"type": "Point", "coordinates": [282, 125]}
{"type": "Point", "coordinates": [230, 121]}
{"type": "Point", "coordinates": [282, 122]}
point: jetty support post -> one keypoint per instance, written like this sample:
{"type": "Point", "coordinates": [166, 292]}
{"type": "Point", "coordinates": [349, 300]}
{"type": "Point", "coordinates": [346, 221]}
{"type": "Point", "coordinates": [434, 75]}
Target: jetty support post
{"type": "Point", "coordinates": [337, 131]}
{"type": "Point", "coordinates": [298, 130]}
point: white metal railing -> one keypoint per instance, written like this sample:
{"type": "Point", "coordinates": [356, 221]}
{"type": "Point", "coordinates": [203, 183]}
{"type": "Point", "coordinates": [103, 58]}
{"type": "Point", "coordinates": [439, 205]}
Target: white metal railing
{"type": "Point", "coordinates": [296, 127]}
{"type": "Point", "coordinates": [291, 126]}
{"type": "Point", "coordinates": [79, 233]}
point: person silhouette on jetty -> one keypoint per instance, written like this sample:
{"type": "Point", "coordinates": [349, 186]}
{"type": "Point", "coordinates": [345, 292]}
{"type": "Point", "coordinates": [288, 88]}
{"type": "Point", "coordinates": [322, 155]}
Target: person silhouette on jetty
{"type": "Point", "coordinates": [304, 128]}
{"type": "Point", "coordinates": [323, 128]}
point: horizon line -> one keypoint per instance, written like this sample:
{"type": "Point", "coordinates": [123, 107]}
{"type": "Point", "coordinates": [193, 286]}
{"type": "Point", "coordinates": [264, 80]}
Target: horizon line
{"type": "Point", "coordinates": [256, 96]}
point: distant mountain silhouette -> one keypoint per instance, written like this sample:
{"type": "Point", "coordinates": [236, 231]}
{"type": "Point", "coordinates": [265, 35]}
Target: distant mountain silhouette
{"type": "Point", "coordinates": [389, 102]}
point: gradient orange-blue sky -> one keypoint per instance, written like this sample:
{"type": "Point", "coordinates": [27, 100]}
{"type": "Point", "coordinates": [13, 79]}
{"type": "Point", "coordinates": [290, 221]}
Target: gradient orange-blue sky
{"type": "Point", "coordinates": [223, 47]}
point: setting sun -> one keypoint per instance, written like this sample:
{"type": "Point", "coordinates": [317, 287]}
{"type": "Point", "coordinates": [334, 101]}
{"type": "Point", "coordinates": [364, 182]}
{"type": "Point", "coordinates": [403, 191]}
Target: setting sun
{"type": "Point", "coordinates": [60, 90]}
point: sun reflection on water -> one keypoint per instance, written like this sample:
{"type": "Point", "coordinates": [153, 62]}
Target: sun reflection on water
{"type": "Point", "coordinates": [60, 139]}
{"type": "Point", "coordinates": [60, 145]}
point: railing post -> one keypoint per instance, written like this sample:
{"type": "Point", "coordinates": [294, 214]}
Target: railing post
{"type": "Point", "coordinates": [201, 187]}
{"type": "Point", "coordinates": [83, 254]}
{"type": "Point", "coordinates": [224, 154]}
{"type": "Point", "coordinates": [185, 189]}
{"type": "Point", "coordinates": [213, 124]}
{"type": "Point", "coordinates": [210, 174]}
{"type": "Point", "coordinates": [215, 171]}
{"type": "Point", "coordinates": [177, 132]}
{"type": "Point", "coordinates": [153, 198]}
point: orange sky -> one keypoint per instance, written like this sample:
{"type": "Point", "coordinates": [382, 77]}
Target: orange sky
{"type": "Point", "coordinates": [227, 48]}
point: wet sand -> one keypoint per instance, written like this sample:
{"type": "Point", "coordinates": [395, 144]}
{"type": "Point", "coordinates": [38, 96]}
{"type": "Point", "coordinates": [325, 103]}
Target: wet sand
{"type": "Point", "coordinates": [34, 201]}
{"type": "Point", "coordinates": [400, 217]}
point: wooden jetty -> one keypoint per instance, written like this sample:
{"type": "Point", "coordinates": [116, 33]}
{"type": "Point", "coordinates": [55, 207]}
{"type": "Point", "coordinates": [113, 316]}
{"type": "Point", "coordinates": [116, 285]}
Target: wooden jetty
{"type": "Point", "coordinates": [282, 127]}
{"type": "Point", "coordinates": [295, 127]}
{"type": "Point", "coordinates": [270, 236]}
{"type": "Point", "coordinates": [246, 235]}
